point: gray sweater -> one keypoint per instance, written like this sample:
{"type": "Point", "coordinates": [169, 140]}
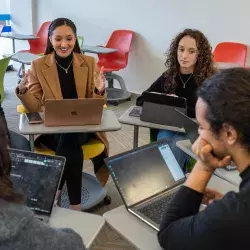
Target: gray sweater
{"type": "Point", "coordinates": [20, 230]}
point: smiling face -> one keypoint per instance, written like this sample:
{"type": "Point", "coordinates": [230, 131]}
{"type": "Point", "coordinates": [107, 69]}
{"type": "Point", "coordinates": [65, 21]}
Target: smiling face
{"type": "Point", "coordinates": [63, 40]}
{"type": "Point", "coordinates": [187, 54]}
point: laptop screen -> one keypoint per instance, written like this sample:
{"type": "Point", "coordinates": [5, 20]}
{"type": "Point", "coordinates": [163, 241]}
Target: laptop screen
{"type": "Point", "coordinates": [37, 177]}
{"type": "Point", "coordinates": [190, 126]}
{"type": "Point", "coordinates": [145, 171]}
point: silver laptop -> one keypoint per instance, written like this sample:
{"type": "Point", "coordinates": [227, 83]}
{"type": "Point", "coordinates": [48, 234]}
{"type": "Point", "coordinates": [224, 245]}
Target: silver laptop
{"type": "Point", "coordinates": [160, 108]}
{"type": "Point", "coordinates": [37, 177]}
{"type": "Point", "coordinates": [147, 178]}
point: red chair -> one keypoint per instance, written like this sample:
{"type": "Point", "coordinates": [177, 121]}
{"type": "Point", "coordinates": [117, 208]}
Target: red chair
{"type": "Point", "coordinates": [121, 40]}
{"type": "Point", "coordinates": [230, 52]}
{"type": "Point", "coordinates": [38, 46]}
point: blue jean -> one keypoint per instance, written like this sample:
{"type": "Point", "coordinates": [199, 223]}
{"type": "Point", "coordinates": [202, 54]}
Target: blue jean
{"type": "Point", "coordinates": [172, 138]}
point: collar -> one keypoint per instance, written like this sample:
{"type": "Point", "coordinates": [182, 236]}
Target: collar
{"type": "Point", "coordinates": [77, 59]}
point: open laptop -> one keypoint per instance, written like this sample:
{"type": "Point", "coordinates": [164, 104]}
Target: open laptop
{"type": "Point", "coordinates": [37, 177]}
{"type": "Point", "coordinates": [160, 108]}
{"type": "Point", "coordinates": [147, 178]}
{"type": "Point", "coordinates": [189, 124]}
{"type": "Point", "coordinates": [73, 112]}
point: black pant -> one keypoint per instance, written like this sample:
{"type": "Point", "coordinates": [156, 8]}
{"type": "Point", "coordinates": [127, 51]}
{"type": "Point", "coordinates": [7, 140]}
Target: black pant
{"type": "Point", "coordinates": [69, 146]}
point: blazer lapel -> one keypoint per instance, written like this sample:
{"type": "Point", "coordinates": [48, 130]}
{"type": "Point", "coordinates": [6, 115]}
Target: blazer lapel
{"type": "Point", "coordinates": [80, 75]}
{"type": "Point", "coordinates": [51, 77]}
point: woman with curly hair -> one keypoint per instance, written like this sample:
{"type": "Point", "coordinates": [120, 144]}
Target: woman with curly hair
{"type": "Point", "coordinates": [189, 61]}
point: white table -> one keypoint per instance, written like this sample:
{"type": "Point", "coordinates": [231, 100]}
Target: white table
{"type": "Point", "coordinates": [24, 57]}
{"type": "Point", "coordinates": [97, 49]}
{"type": "Point", "coordinates": [137, 232]}
{"type": "Point", "coordinates": [225, 65]}
{"type": "Point", "coordinates": [15, 36]}
{"type": "Point", "coordinates": [125, 118]}
{"type": "Point", "coordinates": [108, 123]}
{"type": "Point", "coordinates": [230, 176]}
{"type": "Point", "coordinates": [85, 224]}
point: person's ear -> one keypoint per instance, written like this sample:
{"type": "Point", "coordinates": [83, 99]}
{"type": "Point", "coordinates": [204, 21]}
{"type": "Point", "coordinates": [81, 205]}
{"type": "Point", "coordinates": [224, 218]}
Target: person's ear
{"type": "Point", "coordinates": [230, 134]}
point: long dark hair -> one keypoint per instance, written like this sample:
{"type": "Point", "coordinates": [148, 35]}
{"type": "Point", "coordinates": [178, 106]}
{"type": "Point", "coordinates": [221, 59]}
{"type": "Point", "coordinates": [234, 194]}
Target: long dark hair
{"type": "Point", "coordinates": [204, 66]}
{"type": "Point", "coordinates": [227, 97]}
{"type": "Point", "coordinates": [56, 23]}
{"type": "Point", "coordinates": [6, 186]}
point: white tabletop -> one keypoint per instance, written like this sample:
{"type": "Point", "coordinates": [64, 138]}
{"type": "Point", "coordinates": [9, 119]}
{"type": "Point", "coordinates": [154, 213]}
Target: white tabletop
{"type": "Point", "coordinates": [85, 224]}
{"type": "Point", "coordinates": [109, 123]}
{"type": "Point", "coordinates": [141, 235]}
{"type": "Point", "coordinates": [230, 176]}
{"type": "Point", "coordinates": [24, 57]}
{"type": "Point", "coordinates": [97, 49]}
{"type": "Point", "coordinates": [125, 118]}
{"type": "Point", "coordinates": [226, 65]}
{"type": "Point", "coordinates": [19, 36]}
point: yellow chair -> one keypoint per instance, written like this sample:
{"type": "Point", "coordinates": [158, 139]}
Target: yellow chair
{"type": "Point", "coordinates": [91, 149]}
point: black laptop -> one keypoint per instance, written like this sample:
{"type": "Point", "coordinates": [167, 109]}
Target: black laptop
{"type": "Point", "coordinates": [37, 177]}
{"type": "Point", "coordinates": [147, 178]}
{"type": "Point", "coordinates": [190, 125]}
{"type": "Point", "coordinates": [160, 108]}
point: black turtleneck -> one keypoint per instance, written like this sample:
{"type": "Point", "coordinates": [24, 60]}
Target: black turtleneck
{"type": "Point", "coordinates": [224, 224]}
{"type": "Point", "coordinates": [67, 80]}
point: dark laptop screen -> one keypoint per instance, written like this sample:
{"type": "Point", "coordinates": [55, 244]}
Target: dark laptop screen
{"type": "Point", "coordinates": [190, 126]}
{"type": "Point", "coordinates": [37, 177]}
{"type": "Point", "coordinates": [144, 172]}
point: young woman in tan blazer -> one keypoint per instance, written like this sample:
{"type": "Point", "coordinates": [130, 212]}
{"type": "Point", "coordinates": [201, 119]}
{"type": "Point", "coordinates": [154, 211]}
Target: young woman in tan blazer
{"type": "Point", "coordinates": [65, 73]}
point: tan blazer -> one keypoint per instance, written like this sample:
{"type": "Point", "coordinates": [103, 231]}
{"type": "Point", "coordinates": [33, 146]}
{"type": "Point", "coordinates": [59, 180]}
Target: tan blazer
{"type": "Point", "coordinates": [44, 83]}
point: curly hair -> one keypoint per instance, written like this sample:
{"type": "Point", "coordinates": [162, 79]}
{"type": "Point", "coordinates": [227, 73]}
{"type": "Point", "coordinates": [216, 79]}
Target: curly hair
{"type": "Point", "coordinates": [204, 65]}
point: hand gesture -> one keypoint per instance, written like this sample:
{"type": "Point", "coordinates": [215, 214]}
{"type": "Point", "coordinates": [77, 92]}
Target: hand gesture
{"type": "Point", "coordinates": [100, 81]}
{"type": "Point", "coordinates": [23, 85]}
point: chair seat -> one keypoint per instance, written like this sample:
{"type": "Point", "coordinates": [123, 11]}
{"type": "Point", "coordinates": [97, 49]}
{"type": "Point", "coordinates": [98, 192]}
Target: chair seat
{"type": "Point", "coordinates": [21, 109]}
{"type": "Point", "coordinates": [91, 149]}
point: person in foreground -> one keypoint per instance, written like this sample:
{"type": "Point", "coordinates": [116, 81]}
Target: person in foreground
{"type": "Point", "coordinates": [222, 111]}
{"type": "Point", "coordinates": [19, 229]}
{"type": "Point", "coordinates": [189, 61]}
{"type": "Point", "coordinates": [65, 73]}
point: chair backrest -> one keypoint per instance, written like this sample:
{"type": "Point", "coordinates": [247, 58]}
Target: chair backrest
{"type": "Point", "coordinates": [121, 40]}
{"type": "Point", "coordinates": [80, 41]}
{"type": "Point", "coordinates": [38, 46]}
{"type": "Point", "coordinates": [231, 52]}
{"type": "Point", "coordinates": [3, 66]}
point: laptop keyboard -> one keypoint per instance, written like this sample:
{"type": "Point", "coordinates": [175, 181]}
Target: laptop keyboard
{"type": "Point", "coordinates": [155, 210]}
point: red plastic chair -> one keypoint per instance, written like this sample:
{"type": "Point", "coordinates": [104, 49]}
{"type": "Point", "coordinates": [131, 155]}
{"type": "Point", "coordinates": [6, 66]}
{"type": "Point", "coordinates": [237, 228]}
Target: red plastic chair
{"type": "Point", "coordinates": [38, 46]}
{"type": "Point", "coordinates": [121, 40]}
{"type": "Point", "coordinates": [230, 52]}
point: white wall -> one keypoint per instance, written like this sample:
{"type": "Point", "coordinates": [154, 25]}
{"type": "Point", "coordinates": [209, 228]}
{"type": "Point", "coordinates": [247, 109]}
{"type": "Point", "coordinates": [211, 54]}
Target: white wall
{"type": "Point", "coordinates": [155, 23]}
